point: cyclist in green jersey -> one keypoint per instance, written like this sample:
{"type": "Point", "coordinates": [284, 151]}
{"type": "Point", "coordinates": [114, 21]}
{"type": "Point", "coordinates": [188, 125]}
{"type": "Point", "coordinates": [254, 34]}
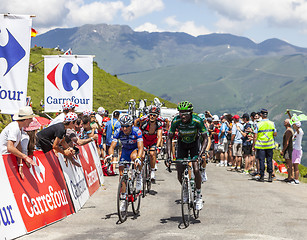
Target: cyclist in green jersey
{"type": "Point", "coordinates": [189, 127]}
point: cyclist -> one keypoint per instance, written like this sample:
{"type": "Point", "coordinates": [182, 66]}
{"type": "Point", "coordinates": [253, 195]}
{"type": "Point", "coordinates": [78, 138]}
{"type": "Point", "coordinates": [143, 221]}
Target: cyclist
{"type": "Point", "coordinates": [151, 128]}
{"type": "Point", "coordinates": [132, 147]}
{"type": "Point", "coordinates": [189, 127]}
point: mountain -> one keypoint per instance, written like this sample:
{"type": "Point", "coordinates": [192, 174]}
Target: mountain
{"type": "Point", "coordinates": [119, 49]}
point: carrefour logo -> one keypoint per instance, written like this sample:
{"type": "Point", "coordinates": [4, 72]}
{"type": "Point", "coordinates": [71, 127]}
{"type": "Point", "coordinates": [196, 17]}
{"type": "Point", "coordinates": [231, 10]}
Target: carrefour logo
{"type": "Point", "coordinates": [12, 52]}
{"type": "Point", "coordinates": [39, 171]}
{"type": "Point", "coordinates": [68, 76]}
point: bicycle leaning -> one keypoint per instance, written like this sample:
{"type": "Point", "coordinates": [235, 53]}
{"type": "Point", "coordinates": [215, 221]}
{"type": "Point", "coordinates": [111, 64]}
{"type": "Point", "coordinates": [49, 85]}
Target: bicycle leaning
{"type": "Point", "coordinates": [188, 191]}
{"type": "Point", "coordinates": [127, 193]}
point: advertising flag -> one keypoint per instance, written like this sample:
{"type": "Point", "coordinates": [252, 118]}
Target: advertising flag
{"type": "Point", "coordinates": [68, 77]}
{"type": "Point", "coordinates": [15, 37]}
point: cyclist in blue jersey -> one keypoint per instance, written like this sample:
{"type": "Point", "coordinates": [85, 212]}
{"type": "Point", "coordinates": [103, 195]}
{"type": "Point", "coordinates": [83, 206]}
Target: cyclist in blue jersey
{"type": "Point", "coordinates": [132, 145]}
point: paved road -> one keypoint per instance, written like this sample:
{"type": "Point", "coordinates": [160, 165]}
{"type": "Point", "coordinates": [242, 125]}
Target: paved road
{"type": "Point", "coordinates": [236, 207]}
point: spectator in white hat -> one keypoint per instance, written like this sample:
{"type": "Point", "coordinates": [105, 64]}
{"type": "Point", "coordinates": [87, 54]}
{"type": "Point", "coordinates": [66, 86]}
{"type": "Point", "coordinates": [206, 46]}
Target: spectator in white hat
{"type": "Point", "coordinates": [11, 135]}
{"type": "Point", "coordinates": [68, 106]}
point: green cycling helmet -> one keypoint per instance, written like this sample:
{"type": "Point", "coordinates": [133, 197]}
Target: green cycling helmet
{"type": "Point", "coordinates": [185, 105]}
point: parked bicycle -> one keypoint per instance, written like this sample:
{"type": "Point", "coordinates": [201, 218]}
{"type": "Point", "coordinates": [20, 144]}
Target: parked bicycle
{"type": "Point", "coordinates": [127, 193]}
{"type": "Point", "coordinates": [188, 191]}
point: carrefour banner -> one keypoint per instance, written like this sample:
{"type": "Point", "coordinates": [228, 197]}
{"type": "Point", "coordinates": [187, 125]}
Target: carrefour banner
{"type": "Point", "coordinates": [15, 37]}
{"type": "Point", "coordinates": [42, 196]}
{"type": "Point", "coordinates": [75, 181]}
{"type": "Point", "coordinates": [11, 223]}
{"type": "Point", "coordinates": [68, 77]}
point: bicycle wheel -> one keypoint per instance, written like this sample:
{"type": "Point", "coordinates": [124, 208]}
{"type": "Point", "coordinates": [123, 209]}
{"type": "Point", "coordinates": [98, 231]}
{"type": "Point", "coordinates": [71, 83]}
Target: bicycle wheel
{"type": "Point", "coordinates": [148, 176]}
{"type": "Point", "coordinates": [136, 201]}
{"type": "Point", "coordinates": [195, 212]}
{"type": "Point", "coordinates": [122, 213]}
{"type": "Point", "coordinates": [144, 180]}
{"type": "Point", "coordinates": [185, 205]}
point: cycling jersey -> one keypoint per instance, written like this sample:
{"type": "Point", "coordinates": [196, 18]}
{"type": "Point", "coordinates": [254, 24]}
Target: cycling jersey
{"type": "Point", "coordinates": [130, 141]}
{"type": "Point", "coordinates": [188, 132]}
{"type": "Point", "coordinates": [150, 139]}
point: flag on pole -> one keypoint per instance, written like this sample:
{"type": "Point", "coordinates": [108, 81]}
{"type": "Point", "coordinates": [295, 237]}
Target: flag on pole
{"type": "Point", "coordinates": [33, 32]}
{"type": "Point", "coordinates": [68, 52]}
{"type": "Point", "coordinates": [15, 32]}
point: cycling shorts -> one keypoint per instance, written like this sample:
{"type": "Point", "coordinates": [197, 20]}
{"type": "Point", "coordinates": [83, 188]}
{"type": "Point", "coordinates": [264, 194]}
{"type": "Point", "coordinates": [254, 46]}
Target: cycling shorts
{"type": "Point", "coordinates": [150, 144]}
{"type": "Point", "coordinates": [125, 156]}
{"type": "Point", "coordinates": [185, 150]}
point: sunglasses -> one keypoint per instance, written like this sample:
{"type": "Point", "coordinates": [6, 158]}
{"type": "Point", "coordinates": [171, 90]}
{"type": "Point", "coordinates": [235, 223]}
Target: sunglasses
{"type": "Point", "coordinates": [153, 115]}
{"type": "Point", "coordinates": [184, 113]}
{"type": "Point", "coordinates": [125, 126]}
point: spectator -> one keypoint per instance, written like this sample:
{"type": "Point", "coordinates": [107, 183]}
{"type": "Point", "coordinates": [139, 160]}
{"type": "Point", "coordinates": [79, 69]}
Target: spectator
{"type": "Point", "coordinates": [67, 107]}
{"type": "Point", "coordinates": [247, 140]}
{"type": "Point", "coordinates": [28, 137]}
{"type": "Point", "coordinates": [287, 149]}
{"type": "Point", "coordinates": [53, 137]}
{"type": "Point", "coordinates": [223, 143]}
{"type": "Point", "coordinates": [297, 150]}
{"type": "Point", "coordinates": [11, 135]}
{"type": "Point", "coordinates": [236, 139]}
{"type": "Point", "coordinates": [215, 133]}
{"type": "Point", "coordinates": [87, 131]}
{"type": "Point", "coordinates": [110, 127]}
{"type": "Point", "coordinates": [264, 143]}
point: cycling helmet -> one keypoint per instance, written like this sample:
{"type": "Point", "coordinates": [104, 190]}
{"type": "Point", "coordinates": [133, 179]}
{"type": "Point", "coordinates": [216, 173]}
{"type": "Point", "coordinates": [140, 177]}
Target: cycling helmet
{"type": "Point", "coordinates": [185, 105]}
{"type": "Point", "coordinates": [154, 109]}
{"type": "Point", "coordinates": [202, 116]}
{"type": "Point", "coordinates": [126, 120]}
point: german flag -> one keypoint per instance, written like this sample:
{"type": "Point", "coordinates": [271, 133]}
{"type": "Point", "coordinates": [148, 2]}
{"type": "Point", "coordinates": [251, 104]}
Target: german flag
{"type": "Point", "coordinates": [33, 32]}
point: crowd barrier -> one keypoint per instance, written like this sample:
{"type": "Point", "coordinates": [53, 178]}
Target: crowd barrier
{"type": "Point", "coordinates": [49, 192]}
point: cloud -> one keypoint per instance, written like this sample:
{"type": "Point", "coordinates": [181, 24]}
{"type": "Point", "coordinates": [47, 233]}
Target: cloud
{"type": "Point", "coordinates": [148, 27]}
{"type": "Point", "coordinates": [95, 12]}
{"type": "Point", "coordinates": [138, 8]}
{"type": "Point", "coordinates": [187, 27]}
{"type": "Point", "coordinates": [52, 13]}
{"type": "Point", "coordinates": [280, 13]}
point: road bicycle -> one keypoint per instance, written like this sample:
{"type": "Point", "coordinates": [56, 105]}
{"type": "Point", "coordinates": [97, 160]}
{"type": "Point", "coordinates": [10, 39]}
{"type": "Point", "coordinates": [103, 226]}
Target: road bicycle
{"type": "Point", "coordinates": [146, 172]}
{"type": "Point", "coordinates": [127, 191]}
{"type": "Point", "coordinates": [188, 191]}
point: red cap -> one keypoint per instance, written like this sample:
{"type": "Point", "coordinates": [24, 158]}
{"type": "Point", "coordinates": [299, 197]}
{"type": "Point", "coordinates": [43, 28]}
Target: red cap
{"type": "Point", "coordinates": [236, 117]}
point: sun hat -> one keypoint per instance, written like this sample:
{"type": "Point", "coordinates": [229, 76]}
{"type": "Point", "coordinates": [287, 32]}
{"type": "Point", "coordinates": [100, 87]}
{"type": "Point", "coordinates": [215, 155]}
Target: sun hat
{"type": "Point", "coordinates": [215, 118]}
{"type": "Point", "coordinates": [70, 117]}
{"type": "Point", "coordinates": [34, 125]}
{"type": "Point", "coordinates": [68, 105]}
{"type": "Point", "coordinates": [101, 110]}
{"type": "Point", "coordinates": [24, 113]}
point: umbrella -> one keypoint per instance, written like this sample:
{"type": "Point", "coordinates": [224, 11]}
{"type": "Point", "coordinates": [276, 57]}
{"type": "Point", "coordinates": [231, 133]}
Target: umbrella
{"type": "Point", "coordinates": [43, 121]}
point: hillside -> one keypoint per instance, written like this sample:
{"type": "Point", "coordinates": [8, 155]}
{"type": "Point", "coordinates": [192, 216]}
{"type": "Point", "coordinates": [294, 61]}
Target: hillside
{"type": "Point", "coordinates": [109, 91]}
{"type": "Point", "coordinates": [119, 49]}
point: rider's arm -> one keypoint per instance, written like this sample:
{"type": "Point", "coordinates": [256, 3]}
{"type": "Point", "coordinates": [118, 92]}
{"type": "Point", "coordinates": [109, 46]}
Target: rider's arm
{"type": "Point", "coordinates": [169, 144]}
{"type": "Point", "coordinates": [204, 143]}
{"type": "Point", "coordinates": [140, 148]}
{"type": "Point", "coordinates": [136, 121]}
{"type": "Point", "coordinates": [159, 136]}
{"type": "Point", "coordinates": [167, 124]}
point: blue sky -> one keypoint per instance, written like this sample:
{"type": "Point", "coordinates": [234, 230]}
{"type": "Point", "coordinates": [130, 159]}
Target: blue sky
{"type": "Point", "coordinates": [256, 19]}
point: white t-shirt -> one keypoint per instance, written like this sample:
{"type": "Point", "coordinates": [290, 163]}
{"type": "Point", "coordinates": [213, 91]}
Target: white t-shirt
{"type": "Point", "coordinates": [99, 119]}
{"type": "Point", "coordinates": [58, 119]}
{"type": "Point", "coordinates": [297, 139]}
{"type": "Point", "coordinates": [24, 142]}
{"type": "Point", "coordinates": [10, 132]}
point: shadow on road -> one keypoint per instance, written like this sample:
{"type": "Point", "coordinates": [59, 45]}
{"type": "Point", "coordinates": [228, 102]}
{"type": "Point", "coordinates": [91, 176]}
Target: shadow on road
{"type": "Point", "coordinates": [179, 221]}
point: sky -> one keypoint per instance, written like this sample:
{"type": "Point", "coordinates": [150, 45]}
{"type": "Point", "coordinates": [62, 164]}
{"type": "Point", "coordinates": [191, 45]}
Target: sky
{"type": "Point", "coordinates": [258, 20]}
